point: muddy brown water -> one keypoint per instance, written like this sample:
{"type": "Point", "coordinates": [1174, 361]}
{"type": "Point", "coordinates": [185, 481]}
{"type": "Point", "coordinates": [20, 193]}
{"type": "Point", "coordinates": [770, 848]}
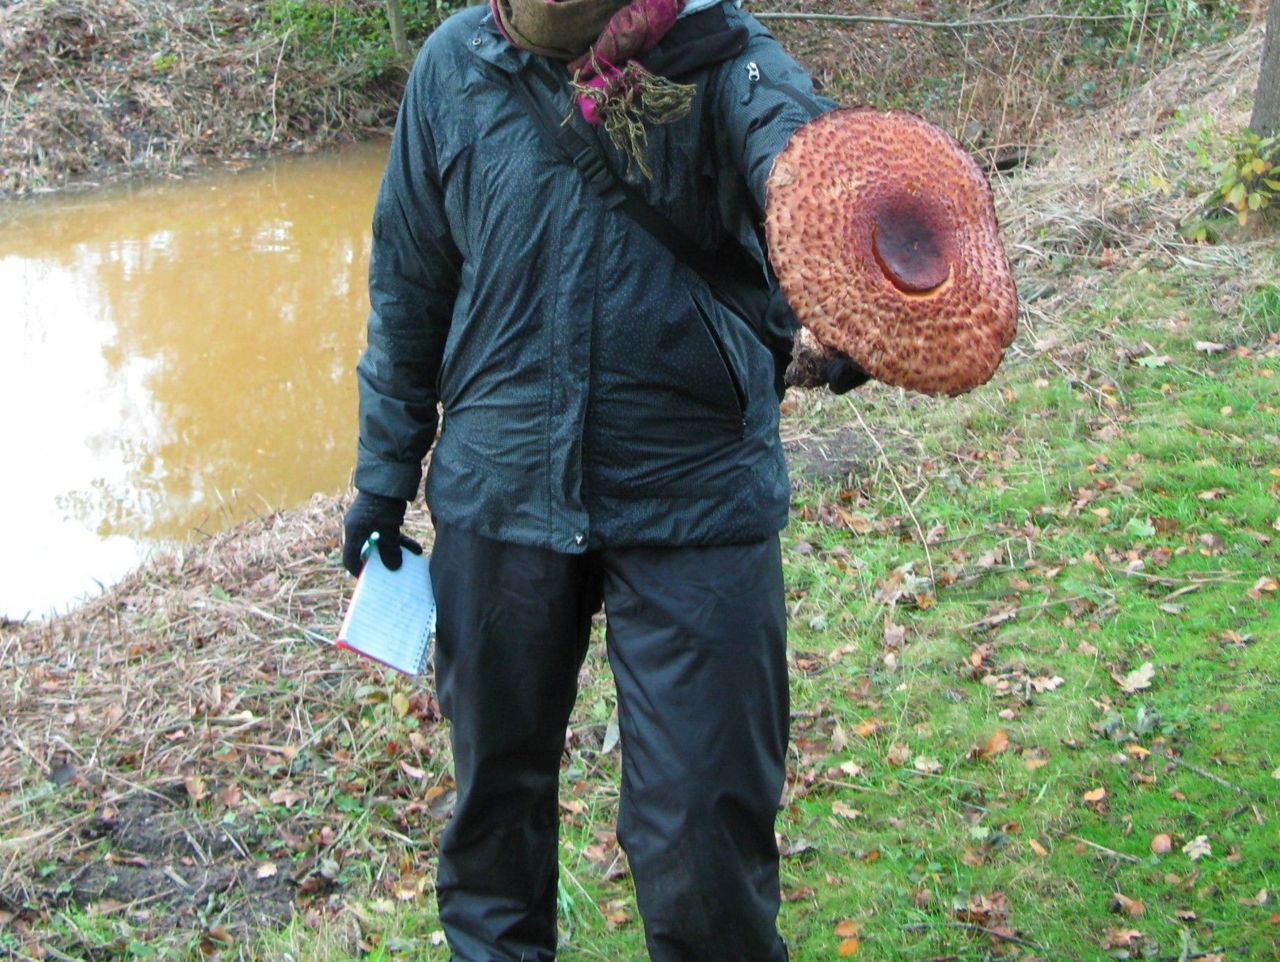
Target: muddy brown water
{"type": "Point", "coordinates": [174, 358]}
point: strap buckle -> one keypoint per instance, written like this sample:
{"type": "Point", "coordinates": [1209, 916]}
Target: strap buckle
{"type": "Point", "coordinates": [599, 178]}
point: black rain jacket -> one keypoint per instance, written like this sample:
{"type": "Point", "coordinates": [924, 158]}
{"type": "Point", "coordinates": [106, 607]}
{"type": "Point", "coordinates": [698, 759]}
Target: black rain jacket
{"type": "Point", "coordinates": [594, 391]}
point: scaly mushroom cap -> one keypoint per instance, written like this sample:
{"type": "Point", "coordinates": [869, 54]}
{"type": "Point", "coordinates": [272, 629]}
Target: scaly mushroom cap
{"type": "Point", "coordinates": [883, 234]}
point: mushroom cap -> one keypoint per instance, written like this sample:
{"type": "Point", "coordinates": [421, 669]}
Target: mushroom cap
{"type": "Point", "coordinates": [882, 231]}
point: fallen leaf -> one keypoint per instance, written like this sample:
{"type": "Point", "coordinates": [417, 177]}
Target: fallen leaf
{"type": "Point", "coordinates": [408, 888]}
{"type": "Point", "coordinates": [286, 797]}
{"type": "Point", "coordinates": [1094, 795]}
{"type": "Point", "coordinates": [894, 635]}
{"type": "Point", "coordinates": [985, 910]}
{"type": "Point", "coordinates": [231, 796]}
{"type": "Point", "coordinates": [848, 928]}
{"type": "Point", "coordinates": [1130, 907]}
{"type": "Point", "coordinates": [220, 934]}
{"type": "Point", "coordinates": [1121, 938]}
{"type": "Point", "coordinates": [1197, 848]}
{"type": "Point", "coordinates": [996, 743]}
{"type": "Point", "coordinates": [1210, 347]}
{"type": "Point", "coordinates": [839, 739]}
{"type": "Point", "coordinates": [928, 766]}
{"type": "Point", "coordinates": [1038, 848]}
{"type": "Point", "coordinates": [867, 727]}
{"type": "Point", "coordinates": [411, 771]}
{"type": "Point", "coordinates": [267, 870]}
{"type": "Point", "coordinates": [1044, 683]}
{"type": "Point", "coordinates": [1268, 584]}
{"type": "Point", "coordinates": [849, 947]}
{"type": "Point", "coordinates": [844, 810]}
{"type": "Point", "coordinates": [1137, 679]}
{"type": "Point", "coordinates": [196, 789]}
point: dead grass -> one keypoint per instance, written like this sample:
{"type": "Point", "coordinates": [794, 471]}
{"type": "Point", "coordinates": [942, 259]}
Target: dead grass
{"type": "Point", "coordinates": [92, 91]}
{"type": "Point", "coordinates": [1122, 178]}
{"type": "Point", "coordinates": [195, 688]}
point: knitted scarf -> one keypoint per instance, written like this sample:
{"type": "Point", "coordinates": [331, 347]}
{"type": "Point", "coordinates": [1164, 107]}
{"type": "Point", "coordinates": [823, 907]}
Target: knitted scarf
{"type": "Point", "coordinates": [601, 41]}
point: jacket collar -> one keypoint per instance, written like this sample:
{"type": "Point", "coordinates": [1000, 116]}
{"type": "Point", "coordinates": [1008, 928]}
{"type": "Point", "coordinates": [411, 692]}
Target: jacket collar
{"type": "Point", "coordinates": [487, 42]}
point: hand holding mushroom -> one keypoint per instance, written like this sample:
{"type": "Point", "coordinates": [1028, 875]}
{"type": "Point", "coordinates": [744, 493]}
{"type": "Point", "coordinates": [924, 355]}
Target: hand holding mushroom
{"type": "Point", "coordinates": [815, 366]}
{"type": "Point", "coordinates": [883, 234]}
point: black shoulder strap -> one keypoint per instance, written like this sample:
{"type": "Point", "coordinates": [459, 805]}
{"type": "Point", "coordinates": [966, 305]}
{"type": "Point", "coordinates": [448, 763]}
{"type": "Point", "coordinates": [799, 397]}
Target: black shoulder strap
{"type": "Point", "coordinates": [734, 276]}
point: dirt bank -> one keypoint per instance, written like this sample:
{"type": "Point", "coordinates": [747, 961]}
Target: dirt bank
{"type": "Point", "coordinates": [95, 91]}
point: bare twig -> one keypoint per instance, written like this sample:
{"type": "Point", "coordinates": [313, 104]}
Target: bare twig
{"type": "Point", "coordinates": [977, 24]}
{"type": "Point", "coordinates": [980, 929]}
{"type": "Point", "coordinates": [275, 79]}
{"type": "Point", "coordinates": [1124, 856]}
{"type": "Point", "coordinates": [906, 502]}
{"type": "Point", "coordinates": [1203, 773]}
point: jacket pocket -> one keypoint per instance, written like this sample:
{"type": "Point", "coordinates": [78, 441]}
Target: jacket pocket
{"type": "Point", "coordinates": [731, 375]}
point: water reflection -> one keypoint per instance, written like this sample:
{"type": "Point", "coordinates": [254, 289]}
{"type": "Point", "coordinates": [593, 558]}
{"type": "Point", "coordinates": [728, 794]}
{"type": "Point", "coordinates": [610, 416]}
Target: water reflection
{"type": "Point", "coordinates": [174, 358]}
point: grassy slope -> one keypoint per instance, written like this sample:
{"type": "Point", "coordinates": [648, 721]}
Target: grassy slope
{"type": "Point", "coordinates": [980, 765]}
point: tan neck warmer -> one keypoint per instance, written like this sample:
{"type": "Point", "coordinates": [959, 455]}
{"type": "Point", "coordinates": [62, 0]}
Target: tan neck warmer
{"type": "Point", "coordinates": [563, 29]}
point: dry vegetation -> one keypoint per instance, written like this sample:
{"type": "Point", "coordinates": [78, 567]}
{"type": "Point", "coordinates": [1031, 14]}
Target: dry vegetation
{"type": "Point", "coordinates": [91, 91]}
{"type": "Point", "coordinates": [94, 91]}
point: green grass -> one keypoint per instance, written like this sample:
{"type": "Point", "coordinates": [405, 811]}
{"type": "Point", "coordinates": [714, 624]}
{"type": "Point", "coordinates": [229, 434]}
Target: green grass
{"type": "Point", "coordinates": [970, 778]}
{"type": "Point", "coordinates": [1084, 522]}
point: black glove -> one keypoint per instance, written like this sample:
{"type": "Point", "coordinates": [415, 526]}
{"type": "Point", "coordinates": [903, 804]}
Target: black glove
{"type": "Point", "coordinates": [375, 514]}
{"type": "Point", "coordinates": [843, 374]}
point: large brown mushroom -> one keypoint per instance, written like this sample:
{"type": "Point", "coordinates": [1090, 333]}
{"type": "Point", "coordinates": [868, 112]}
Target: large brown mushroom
{"type": "Point", "coordinates": [883, 234]}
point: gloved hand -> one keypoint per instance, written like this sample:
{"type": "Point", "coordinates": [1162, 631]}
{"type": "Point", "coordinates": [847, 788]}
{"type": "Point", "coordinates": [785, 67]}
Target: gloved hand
{"type": "Point", "coordinates": [843, 374]}
{"type": "Point", "coordinates": [375, 514]}
{"type": "Point", "coordinates": [813, 365]}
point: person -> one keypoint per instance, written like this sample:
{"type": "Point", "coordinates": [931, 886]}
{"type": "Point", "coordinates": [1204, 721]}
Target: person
{"type": "Point", "coordinates": [610, 440]}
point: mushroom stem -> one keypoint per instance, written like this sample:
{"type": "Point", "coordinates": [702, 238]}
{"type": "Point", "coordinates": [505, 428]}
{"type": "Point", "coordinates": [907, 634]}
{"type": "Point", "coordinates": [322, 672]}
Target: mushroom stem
{"type": "Point", "coordinates": [908, 252]}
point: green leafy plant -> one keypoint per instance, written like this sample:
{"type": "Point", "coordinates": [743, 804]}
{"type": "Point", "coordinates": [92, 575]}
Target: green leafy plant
{"type": "Point", "coordinates": [1247, 180]}
{"type": "Point", "coordinates": [343, 30]}
{"type": "Point", "coordinates": [1169, 23]}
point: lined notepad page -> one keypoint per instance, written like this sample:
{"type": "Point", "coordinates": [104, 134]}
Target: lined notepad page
{"type": "Point", "coordinates": [392, 613]}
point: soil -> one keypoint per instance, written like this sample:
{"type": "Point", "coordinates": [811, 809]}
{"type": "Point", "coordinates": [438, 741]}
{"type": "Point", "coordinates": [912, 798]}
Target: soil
{"type": "Point", "coordinates": [165, 855]}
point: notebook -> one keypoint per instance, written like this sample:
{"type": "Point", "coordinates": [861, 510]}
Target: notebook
{"type": "Point", "coordinates": [392, 614]}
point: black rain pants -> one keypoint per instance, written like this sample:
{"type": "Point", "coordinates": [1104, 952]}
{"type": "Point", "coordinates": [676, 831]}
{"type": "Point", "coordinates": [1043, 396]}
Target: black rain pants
{"type": "Point", "coordinates": [696, 641]}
